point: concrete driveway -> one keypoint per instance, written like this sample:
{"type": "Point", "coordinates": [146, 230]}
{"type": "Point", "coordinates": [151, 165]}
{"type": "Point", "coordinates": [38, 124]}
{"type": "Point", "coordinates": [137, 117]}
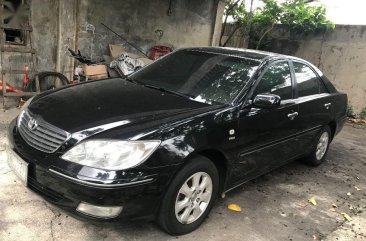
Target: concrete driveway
{"type": "Point", "coordinates": [274, 207]}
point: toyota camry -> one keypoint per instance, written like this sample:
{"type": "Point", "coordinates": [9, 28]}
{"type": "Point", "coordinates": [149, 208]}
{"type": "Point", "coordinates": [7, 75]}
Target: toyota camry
{"type": "Point", "coordinates": [164, 142]}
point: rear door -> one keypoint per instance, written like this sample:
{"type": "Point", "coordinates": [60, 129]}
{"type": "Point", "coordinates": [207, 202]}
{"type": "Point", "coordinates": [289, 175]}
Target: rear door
{"type": "Point", "coordinates": [315, 104]}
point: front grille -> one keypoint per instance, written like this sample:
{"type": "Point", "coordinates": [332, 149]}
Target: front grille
{"type": "Point", "coordinates": [42, 136]}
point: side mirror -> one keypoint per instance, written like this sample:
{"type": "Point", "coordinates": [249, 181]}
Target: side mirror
{"type": "Point", "coordinates": [267, 101]}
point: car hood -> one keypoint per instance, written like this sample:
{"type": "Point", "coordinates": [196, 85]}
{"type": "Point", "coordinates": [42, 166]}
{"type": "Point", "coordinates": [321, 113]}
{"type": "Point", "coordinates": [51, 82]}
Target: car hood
{"type": "Point", "coordinates": [99, 103]}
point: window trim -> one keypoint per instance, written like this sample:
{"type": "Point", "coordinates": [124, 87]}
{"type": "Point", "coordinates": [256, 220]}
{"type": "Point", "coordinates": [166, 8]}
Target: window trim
{"type": "Point", "coordinates": [320, 80]}
{"type": "Point", "coordinates": [258, 80]}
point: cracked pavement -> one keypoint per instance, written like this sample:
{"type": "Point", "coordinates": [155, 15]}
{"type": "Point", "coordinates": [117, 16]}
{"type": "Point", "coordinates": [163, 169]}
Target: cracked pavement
{"type": "Point", "coordinates": [274, 206]}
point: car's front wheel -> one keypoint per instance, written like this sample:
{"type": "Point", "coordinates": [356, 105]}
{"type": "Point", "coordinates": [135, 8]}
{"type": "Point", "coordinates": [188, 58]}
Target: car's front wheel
{"type": "Point", "coordinates": [190, 197]}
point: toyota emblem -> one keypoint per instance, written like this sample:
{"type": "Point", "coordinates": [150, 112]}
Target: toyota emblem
{"type": "Point", "coordinates": [32, 124]}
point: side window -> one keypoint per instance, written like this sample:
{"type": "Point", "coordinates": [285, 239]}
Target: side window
{"type": "Point", "coordinates": [276, 80]}
{"type": "Point", "coordinates": [308, 82]}
{"type": "Point", "coordinates": [323, 89]}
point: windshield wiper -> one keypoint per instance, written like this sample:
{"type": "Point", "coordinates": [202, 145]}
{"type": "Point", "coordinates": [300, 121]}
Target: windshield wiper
{"type": "Point", "coordinates": [166, 90]}
{"type": "Point", "coordinates": [132, 80]}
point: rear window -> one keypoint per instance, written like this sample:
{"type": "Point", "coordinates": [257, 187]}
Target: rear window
{"type": "Point", "coordinates": [308, 83]}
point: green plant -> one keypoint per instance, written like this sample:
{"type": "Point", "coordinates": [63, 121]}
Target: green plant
{"type": "Point", "coordinates": [350, 111]}
{"type": "Point", "coordinates": [265, 19]}
{"type": "Point", "coordinates": [237, 11]}
{"type": "Point", "coordinates": [363, 113]}
{"type": "Point", "coordinates": [298, 15]}
{"type": "Point", "coordinates": [303, 18]}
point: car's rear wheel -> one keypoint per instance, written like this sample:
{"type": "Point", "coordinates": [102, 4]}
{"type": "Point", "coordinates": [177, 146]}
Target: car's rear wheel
{"type": "Point", "coordinates": [321, 147]}
{"type": "Point", "coordinates": [190, 197]}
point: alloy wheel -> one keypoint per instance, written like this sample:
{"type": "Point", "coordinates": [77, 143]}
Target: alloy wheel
{"type": "Point", "coordinates": [322, 146]}
{"type": "Point", "coordinates": [193, 198]}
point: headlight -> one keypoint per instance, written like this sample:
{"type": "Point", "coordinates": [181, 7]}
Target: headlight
{"type": "Point", "coordinates": [111, 154]}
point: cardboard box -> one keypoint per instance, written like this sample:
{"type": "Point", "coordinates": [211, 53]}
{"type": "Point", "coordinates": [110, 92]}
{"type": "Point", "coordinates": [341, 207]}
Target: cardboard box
{"type": "Point", "coordinates": [116, 50]}
{"type": "Point", "coordinates": [97, 77]}
{"type": "Point", "coordinates": [95, 69]}
{"type": "Point", "coordinates": [146, 61]}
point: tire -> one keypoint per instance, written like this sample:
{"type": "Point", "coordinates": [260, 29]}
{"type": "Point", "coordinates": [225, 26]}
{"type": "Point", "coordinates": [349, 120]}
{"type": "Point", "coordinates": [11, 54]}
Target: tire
{"type": "Point", "coordinates": [320, 148]}
{"type": "Point", "coordinates": [47, 81]}
{"type": "Point", "coordinates": [174, 220]}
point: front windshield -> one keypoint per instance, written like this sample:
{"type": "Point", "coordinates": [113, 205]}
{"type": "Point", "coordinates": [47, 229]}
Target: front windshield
{"type": "Point", "coordinates": [206, 77]}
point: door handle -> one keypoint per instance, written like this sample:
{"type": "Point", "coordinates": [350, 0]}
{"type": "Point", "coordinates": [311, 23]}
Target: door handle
{"type": "Point", "coordinates": [327, 105]}
{"type": "Point", "coordinates": [292, 115]}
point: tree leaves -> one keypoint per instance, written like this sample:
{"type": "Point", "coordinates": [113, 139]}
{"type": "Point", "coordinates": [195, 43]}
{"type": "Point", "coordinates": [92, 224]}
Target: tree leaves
{"type": "Point", "coordinates": [298, 15]}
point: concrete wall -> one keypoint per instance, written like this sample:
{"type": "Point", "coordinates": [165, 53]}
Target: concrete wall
{"type": "Point", "coordinates": [238, 40]}
{"type": "Point", "coordinates": [59, 24]}
{"type": "Point", "coordinates": [45, 19]}
{"type": "Point", "coordinates": [145, 23]}
{"type": "Point", "coordinates": [54, 29]}
{"type": "Point", "coordinates": [340, 54]}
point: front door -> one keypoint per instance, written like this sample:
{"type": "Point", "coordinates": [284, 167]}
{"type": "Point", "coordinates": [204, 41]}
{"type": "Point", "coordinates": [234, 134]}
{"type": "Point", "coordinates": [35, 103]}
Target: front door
{"type": "Point", "coordinates": [266, 136]}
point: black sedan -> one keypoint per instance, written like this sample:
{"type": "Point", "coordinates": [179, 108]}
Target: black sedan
{"type": "Point", "coordinates": [164, 142]}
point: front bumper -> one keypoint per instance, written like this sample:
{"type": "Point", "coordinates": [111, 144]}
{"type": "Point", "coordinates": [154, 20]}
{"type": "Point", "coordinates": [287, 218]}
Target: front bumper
{"type": "Point", "coordinates": [138, 191]}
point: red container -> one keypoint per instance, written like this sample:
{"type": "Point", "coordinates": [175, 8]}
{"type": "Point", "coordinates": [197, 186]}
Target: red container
{"type": "Point", "coordinates": [158, 51]}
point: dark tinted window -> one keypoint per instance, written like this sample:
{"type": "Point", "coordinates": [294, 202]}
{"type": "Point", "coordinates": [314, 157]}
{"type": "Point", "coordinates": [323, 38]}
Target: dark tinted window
{"type": "Point", "coordinates": [323, 89]}
{"type": "Point", "coordinates": [308, 82]}
{"type": "Point", "coordinates": [205, 77]}
{"type": "Point", "coordinates": [276, 80]}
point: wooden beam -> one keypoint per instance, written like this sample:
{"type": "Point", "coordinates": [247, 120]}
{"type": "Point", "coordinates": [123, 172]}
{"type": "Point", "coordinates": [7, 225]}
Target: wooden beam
{"type": "Point", "coordinates": [17, 49]}
{"type": "Point", "coordinates": [24, 28]}
{"type": "Point", "coordinates": [17, 71]}
{"type": "Point", "coordinates": [7, 94]}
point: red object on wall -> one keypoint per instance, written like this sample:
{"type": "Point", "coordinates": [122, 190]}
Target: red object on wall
{"type": "Point", "coordinates": [158, 51]}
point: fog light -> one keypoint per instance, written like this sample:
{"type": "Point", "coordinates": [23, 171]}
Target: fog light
{"type": "Point", "coordinates": [99, 211]}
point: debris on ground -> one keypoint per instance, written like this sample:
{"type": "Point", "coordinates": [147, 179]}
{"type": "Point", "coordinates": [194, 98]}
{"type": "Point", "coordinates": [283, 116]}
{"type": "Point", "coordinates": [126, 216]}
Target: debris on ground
{"type": "Point", "coordinates": [234, 207]}
{"type": "Point", "coordinates": [126, 65]}
{"type": "Point", "coordinates": [347, 217]}
{"type": "Point", "coordinates": [358, 189]}
{"type": "Point", "coordinates": [357, 123]}
{"type": "Point", "coordinates": [124, 62]}
{"type": "Point", "coordinates": [312, 201]}
{"type": "Point", "coordinates": [357, 120]}
{"type": "Point", "coordinates": [349, 194]}
{"type": "Point", "coordinates": [84, 59]}
{"type": "Point", "coordinates": [95, 71]}
{"type": "Point", "coordinates": [301, 205]}
{"type": "Point", "coordinates": [117, 51]}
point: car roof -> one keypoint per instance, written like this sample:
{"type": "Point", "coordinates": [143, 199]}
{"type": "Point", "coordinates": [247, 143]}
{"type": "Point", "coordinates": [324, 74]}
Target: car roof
{"type": "Point", "coordinates": [256, 55]}
{"type": "Point", "coordinates": [238, 52]}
